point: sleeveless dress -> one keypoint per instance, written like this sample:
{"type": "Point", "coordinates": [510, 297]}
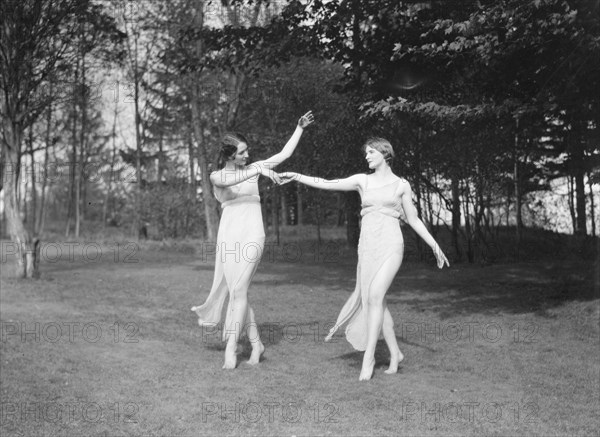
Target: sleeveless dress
{"type": "Point", "coordinates": [380, 238]}
{"type": "Point", "coordinates": [240, 245]}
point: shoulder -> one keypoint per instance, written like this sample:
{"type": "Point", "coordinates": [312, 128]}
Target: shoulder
{"type": "Point", "coordinates": [214, 176]}
{"type": "Point", "coordinates": [360, 179]}
{"type": "Point", "coordinates": [403, 187]}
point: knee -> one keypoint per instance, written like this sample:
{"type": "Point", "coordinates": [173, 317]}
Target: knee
{"type": "Point", "coordinates": [240, 296]}
{"type": "Point", "coordinates": [375, 299]}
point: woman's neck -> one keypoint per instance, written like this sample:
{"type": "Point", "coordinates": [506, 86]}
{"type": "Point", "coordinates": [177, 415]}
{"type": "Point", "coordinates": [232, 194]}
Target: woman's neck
{"type": "Point", "coordinates": [383, 171]}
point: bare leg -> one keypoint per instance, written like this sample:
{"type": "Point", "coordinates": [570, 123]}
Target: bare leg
{"type": "Point", "coordinates": [389, 335]}
{"type": "Point", "coordinates": [379, 287]}
{"type": "Point", "coordinates": [238, 319]}
{"type": "Point", "coordinates": [253, 335]}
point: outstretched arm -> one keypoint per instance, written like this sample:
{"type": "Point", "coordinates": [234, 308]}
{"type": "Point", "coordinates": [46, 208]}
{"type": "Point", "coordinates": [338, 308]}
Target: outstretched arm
{"type": "Point", "coordinates": [348, 184]}
{"type": "Point", "coordinates": [290, 146]}
{"type": "Point", "coordinates": [415, 222]}
{"type": "Point", "coordinates": [228, 177]}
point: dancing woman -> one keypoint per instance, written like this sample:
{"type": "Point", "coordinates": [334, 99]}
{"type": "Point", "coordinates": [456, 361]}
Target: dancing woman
{"type": "Point", "coordinates": [380, 250]}
{"type": "Point", "coordinates": [240, 240]}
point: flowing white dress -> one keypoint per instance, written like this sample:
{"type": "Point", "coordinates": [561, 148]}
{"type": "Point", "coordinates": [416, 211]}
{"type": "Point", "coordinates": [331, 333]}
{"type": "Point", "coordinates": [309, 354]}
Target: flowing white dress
{"type": "Point", "coordinates": [380, 238]}
{"type": "Point", "coordinates": [240, 245]}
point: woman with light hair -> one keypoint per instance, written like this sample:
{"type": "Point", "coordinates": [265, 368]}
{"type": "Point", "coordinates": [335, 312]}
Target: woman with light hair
{"type": "Point", "coordinates": [380, 250]}
{"type": "Point", "coordinates": [240, 240]}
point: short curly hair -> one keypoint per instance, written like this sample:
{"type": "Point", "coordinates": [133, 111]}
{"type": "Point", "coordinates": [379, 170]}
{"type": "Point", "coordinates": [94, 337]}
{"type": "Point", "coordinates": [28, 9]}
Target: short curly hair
{"type": "Point", "coordinates": [229, 146]}
{"type": "Point", "coordinates": [383, 146]}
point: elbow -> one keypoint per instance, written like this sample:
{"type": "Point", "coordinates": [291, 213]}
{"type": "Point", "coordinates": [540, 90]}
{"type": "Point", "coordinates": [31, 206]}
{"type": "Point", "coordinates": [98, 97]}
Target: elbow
{"type": "Point", "coordinates": [414, 222]}
{"type": "Point", "coordinates": [283, 156]}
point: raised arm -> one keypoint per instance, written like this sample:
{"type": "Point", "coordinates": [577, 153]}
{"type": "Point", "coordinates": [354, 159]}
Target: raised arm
{"type": "Point", "coordinates": [415, 222]}
{"type": "Point", "coordinates": [228, 177]}
{"type": "Point", "coordinates": [290, 146]}
{"type": "Point", "coordinates": [351, 183]}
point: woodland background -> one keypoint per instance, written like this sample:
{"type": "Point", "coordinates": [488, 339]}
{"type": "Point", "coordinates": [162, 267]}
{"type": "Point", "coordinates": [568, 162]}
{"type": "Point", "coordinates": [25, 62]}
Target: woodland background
{"type": "Point", "coordinates": [112, 113]}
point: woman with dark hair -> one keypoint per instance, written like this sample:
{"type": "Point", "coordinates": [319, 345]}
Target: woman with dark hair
{"type": "Point", "coordinates": [380, 250]}
{"type": "Point", "coordinates": [240, 240]}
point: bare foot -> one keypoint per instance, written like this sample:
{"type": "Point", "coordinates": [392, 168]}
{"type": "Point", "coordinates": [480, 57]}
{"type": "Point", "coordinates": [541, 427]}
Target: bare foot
{"type": "Point", "coordinates": [367, 369]}
{"type": "Point", "coordinates": [256, 353]}
{"type": "Point", "coordinates": [395, 359]}
{"type": "Point", "coordinates": [230, 356]}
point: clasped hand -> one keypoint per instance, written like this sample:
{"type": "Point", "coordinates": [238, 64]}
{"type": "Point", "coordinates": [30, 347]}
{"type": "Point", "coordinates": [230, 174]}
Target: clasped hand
{"type": "Point", "coordinates": [282, 178]}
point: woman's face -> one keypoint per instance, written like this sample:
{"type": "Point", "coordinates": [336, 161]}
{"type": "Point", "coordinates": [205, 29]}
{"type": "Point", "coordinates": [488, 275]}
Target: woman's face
{"type": "Point", "coordinates": [241, 156]}
{"type": "Point", "coordinates": [374, 157]}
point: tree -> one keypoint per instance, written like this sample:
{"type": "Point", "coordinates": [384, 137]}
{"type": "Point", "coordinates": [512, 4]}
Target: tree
{"type": "Point", "coordinates": [36, 46]}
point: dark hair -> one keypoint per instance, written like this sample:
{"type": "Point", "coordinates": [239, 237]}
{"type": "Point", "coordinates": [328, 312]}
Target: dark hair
{"type": "Point", "coordinates": [229, 146]}
{"type": "Point", "coordinates": [383, 146]}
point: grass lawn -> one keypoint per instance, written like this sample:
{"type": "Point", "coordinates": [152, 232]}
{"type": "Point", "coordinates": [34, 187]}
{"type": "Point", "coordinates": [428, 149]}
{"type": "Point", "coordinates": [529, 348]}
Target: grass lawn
{"type": "Point", "coordinates": [110, 347]}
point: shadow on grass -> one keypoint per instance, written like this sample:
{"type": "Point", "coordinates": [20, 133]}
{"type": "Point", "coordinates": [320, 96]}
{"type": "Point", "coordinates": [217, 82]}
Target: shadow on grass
{"type": "Point", "coordinates": [460, 290]}
{"type": "Point", "coordinates": [514, 288]}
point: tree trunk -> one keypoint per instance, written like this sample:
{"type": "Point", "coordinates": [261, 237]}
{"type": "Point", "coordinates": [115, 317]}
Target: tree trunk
{"type": "Point", "coordinates": [456, 215]}
{"type": "Point", "coordinates": [571, 200]}
{"type": "Point", "coordinates": [592, 204]}
{"type": "Point", "coordinates": [479, 204]}
{"type": "Point", "coordinates": [429, 207]}
{"type": "Point", "coordinates": [33, 220]}
{"type": "Point", "coordinates": [352, 218]}
{"type": "Point", "coordinates": [340, 209]}
{"type": "Point", "coordinates": [579, 173]}
{"type": "Point", "coordinates": [275, 211]}
{"type": "Point", "coordinates": [517, 182]}
{"type": "Point", "coordinates": [209, 201]}
{"type": "Point", "coordinates": [26, 248]}
{"type": "Point", "coordinates": [72, 169]}
{"type": "Point", "coordinates": [191, 155]}
{"type": "Point", "coordinates": [138, 141]}
{"type": "Point", "coordinates": [42, 216]}
{"type": "Point", "coordinates": [318, 216]}
{"type": "Point", "coordinates": [468, 231]}
{"type": "Point", "coordinates": [81, 162]}
{"type": "Point", "coordinates": [507, 206]}
{"type": "Point", "coordinates": [299, 207]}
{"type": "Point", "coordinates": [23, 199]}
{"type": "Point", "coordinates": [417, 191]}
{"type": "Point", "coordinates": [285, 214]}
{"type": "Point", "coordinates": [109, 179]}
